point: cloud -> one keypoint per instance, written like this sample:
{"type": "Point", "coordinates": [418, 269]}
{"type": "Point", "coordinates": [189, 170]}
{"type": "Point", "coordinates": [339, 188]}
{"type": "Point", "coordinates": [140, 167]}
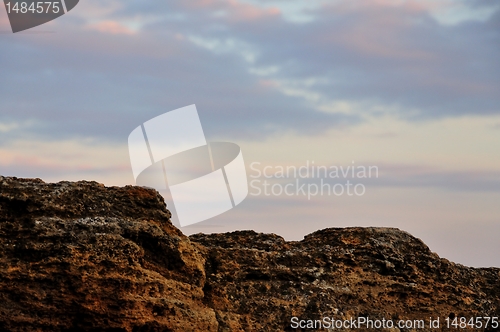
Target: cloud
{"type": "Point", "coordinates": [391, 56]}
{"type": "Point", "coordinates": [111, 27]}
{"type": "Point", "coordinates": [8, 127]}
{"type": "Point", "coordinates": [104, 84]}
{"type": "Point", "coordinates": [66, 160]}
{"type": "Point", "coordinates": [252, 71]}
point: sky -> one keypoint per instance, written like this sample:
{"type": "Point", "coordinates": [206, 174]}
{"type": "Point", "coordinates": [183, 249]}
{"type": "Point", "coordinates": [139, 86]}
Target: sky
{"type": "Point", "coordinates": [409, 86]}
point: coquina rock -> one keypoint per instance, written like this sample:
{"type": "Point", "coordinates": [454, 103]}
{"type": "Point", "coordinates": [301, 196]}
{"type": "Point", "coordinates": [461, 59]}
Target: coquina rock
{"type": "Point", "coordinates": [79, 256]}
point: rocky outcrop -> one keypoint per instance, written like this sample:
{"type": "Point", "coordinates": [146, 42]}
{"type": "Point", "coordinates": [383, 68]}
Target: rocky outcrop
{"type": "Point", "coordinates": [257, 282]}
{"type": "Point", "coordinates": [83, 257]}
{"type": "Point", "coordinates": [80, 256]}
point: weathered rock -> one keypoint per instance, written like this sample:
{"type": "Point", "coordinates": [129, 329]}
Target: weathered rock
{"type": "Point", "coordinates": [80, 256]}
{"type": "Point", "coordinates": [258, 281]}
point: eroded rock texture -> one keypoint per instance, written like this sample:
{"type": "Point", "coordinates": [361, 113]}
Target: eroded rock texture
{"type": "Point", "coordinates": [83, 257]}
{"type": "Point", "coordinates": [79, 256]}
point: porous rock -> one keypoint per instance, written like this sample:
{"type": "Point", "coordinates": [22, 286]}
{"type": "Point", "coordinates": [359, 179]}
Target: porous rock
{"type": "Point", "coordinates": [78, 256]}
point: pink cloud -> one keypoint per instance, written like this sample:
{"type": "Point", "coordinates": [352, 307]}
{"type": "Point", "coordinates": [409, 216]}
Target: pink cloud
{"type": "Point", "coordinates": [111, 27]}
{"type": "Point", "coordinates": [268, 83]}
{"type": "Point", "coordinates": [379, 30]}
{"type": "Point", "coordinates": [4, 20]}
{"type": "Point", "coordinates": [246, 12]}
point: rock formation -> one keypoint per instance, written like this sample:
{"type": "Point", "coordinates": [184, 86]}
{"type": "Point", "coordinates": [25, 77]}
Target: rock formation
{"type": "Point", "coordinates": [78, 256]}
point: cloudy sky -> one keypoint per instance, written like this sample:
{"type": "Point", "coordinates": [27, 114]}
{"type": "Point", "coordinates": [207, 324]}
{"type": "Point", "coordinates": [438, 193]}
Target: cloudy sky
{"type": "Point", "coordinates": [410, 86]}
